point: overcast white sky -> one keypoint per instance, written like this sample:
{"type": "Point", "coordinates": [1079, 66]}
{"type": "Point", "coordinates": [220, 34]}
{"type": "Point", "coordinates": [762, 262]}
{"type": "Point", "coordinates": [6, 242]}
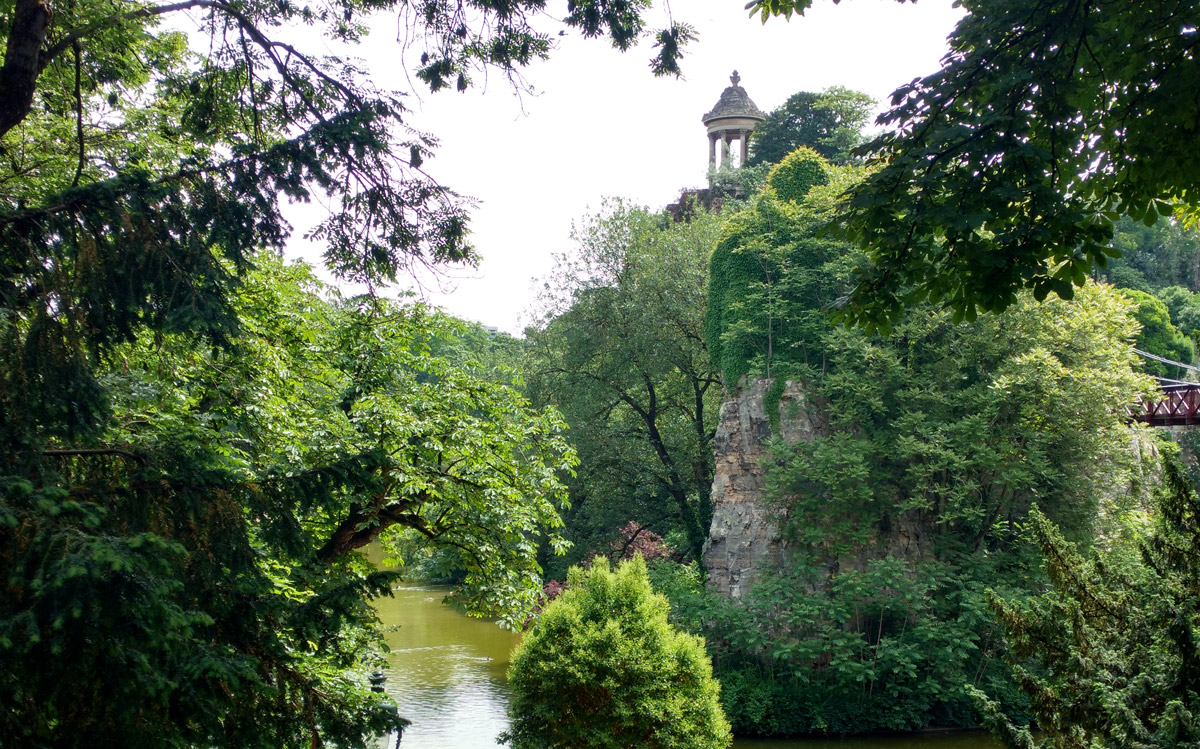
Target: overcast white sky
{"type": "Point", "coordinates": [601, 125]}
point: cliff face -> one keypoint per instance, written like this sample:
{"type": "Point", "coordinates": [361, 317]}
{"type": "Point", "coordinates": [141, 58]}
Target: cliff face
{"type": "Point", "coordinates": [744, 539]}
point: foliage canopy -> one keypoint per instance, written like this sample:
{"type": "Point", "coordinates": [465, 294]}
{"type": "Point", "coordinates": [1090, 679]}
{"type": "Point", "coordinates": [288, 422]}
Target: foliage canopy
{"type": "Point", "coordinates": [932, 444]}
{"type": "Point", "coordinates": [193, 437]}
{"type": "Point", "coordinates": [183, 576]}
{"type": "Point", "coordinates": [1158, 335]}
{"type": "Point", "coordinates": [620, 352]}
{"type": "Point", "coordinates": [1108, 655]}
{"type": "Point", "coordinates": [1007, 169]}
{"type": "Point", "coordinates": [830, 123]}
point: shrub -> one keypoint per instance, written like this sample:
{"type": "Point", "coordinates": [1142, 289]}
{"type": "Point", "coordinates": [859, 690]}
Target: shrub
{"type": "Point", "coordinates": [799, 172]}
{"type": "Point", "coordinates": [636, 540]}
{"type": "Point", "coordinates": [603, 668]}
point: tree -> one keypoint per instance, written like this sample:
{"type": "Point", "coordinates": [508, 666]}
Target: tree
{"type": "Point", "coordinates": [830, 123]}
{"type": "Point", "coordinates": [621, 353]}
{"type": "Point", "coordinates": [1108, 655]}
{"type": "Point", "coordinates": [184, 579]}
{"type": "Point", "coordinates": [602, 667]}
{"type": "Point", "coordinates": [747, 318]}
{"type": "Point", "coordinates": [1158, 336]}
{"type": "Point", "coordinates": [1166, 254]}
{"type": "Point", "coordinates": [1007, 169]}
{"type": "Point", "coordinates": [468, 348]}
{"type": "Point", "coordinates": [1184, 307]}
{"type": "Point", "coordinates": [181, 477]}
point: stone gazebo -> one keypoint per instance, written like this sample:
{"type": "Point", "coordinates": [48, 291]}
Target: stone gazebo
{"type": "Point", "coordinates": [731, 120]}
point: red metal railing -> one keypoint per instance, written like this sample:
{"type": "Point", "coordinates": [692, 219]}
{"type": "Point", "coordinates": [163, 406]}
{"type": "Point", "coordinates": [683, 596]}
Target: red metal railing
{"type": "Point", "coordinates": [1178, 406]}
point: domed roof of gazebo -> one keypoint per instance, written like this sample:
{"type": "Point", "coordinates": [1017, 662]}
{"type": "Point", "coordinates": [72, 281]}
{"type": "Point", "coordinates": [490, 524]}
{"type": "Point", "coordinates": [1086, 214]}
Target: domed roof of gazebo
{"type": "Point", "coordinates": [734, 102]}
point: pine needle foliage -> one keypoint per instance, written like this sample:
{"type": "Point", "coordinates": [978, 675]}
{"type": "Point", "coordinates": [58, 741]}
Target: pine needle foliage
{"type": "Point", "coordinates": [1108, 656]}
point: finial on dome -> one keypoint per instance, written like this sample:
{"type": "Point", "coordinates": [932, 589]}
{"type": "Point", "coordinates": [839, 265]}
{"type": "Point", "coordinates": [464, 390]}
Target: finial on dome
{"type": "Point", "coordinates": [735, 79]}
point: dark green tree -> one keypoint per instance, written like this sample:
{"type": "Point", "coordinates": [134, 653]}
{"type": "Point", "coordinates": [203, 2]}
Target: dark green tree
{"type": "Point", "coordinates": [603, 669]}
{"type": "Point", "coordinates": [1108, 656]}
{"type": "Point", "coordinates": [181, 477]}
{"type": "Point", "coordinates": [1166, 254]}
{"type": "Point", "coordinates": [830, 123]}
{"type": "Point", "coordinates": [1007, 169]}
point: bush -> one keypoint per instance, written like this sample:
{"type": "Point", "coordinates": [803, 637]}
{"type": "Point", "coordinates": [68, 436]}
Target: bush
{"type": "Point", "coordinates": [799, 172]}
{"type": "Point", "coordinates": [603, 668]}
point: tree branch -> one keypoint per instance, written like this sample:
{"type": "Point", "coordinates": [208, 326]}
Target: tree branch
{"type": "Point", "coordinates": [116, 19]}
{"type": "Point", "coordinates": [24, 59]}
{"type": "Point", "coordinates": [86, 452]}
{"type": "Point", "coordinates": [362, 527]}
{"type": "Point", "coordinates": [79, 113]}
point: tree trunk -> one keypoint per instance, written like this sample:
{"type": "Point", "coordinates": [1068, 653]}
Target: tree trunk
{"type": "Point", "coordinates": [18, 77]}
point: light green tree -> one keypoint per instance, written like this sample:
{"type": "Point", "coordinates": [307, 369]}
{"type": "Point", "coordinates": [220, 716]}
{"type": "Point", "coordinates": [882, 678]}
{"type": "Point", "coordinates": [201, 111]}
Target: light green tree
{"type": "Point", "coordinates": [193, 583]}
{"type": "Point", "coordinates": [620, 351]}
{"type": "Point", "coordinates": [1159, 336]}
{"type": "Point", "coordinates": [1166, 254]}
{"type": "Point", "coordinates": [603, 669]}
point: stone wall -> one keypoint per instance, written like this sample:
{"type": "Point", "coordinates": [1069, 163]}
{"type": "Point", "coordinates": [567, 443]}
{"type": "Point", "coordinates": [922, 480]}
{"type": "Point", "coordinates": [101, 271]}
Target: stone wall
{"type": "Point", "coordinates": [743, 538]}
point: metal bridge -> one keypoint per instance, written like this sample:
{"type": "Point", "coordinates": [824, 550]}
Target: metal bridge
{"type": "Point", "coordinates": [1178, 406]}
{"type": "Point", "coordinates": [1178, 402]}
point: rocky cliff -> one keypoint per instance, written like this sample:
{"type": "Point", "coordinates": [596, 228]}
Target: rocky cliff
{"type": "Point", "coordinates": [744, 539]}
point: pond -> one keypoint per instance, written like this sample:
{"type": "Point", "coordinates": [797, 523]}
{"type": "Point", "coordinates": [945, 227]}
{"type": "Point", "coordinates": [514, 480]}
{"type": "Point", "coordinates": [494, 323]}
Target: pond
{"type": "Point", "coordinates": [446, 673]}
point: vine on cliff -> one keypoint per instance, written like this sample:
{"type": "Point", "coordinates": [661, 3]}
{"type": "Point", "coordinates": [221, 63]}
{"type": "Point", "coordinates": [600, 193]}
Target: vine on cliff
{"type": "Point", "coordinates": [941, 437]}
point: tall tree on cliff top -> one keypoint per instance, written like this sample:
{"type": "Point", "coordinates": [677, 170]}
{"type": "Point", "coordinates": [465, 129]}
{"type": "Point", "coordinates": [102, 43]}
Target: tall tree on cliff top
{"type": "Point", "coordinates": [182, 477]}
{"type": "Point", "coordinates": [830, 123]}
{"type": "Point", "coordinates": [1006, 169]}
{"type": "Point", "coordinates": [621, 352]}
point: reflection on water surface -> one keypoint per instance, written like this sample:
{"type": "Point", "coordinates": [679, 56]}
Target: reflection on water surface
{"type": "Point", "coordinates": [446, 671]}
{"type": "Point", "coordinates": [447, 676]}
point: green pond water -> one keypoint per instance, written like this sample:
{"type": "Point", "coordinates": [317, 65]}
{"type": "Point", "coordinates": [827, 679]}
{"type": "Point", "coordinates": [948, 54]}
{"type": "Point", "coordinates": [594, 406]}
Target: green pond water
{"type": "Point", "coordinates": [447, 676]}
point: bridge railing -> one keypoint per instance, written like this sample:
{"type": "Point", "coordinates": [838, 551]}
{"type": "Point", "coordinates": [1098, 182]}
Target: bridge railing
{"type": "Point", "coordinates": [1178, 405]}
